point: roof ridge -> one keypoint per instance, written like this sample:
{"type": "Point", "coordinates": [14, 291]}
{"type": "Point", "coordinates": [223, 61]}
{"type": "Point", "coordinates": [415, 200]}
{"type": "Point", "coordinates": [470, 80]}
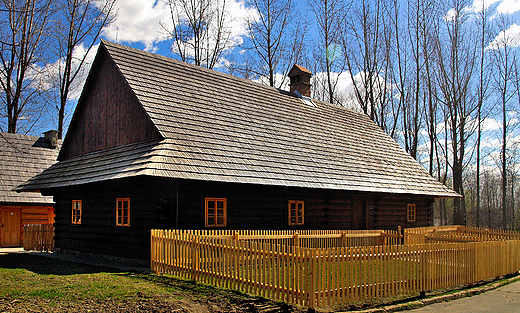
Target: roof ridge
{"type": "Point", "coordinates": [218, 73]}
{"type": "Point", "coordinates": [182, 63]}
{"type": "Point", "coordinates": [19, 135]}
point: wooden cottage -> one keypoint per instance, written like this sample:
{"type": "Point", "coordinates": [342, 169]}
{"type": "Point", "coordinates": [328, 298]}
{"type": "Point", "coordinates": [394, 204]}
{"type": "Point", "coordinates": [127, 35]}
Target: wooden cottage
{"type": "Point", "coordinates": [158, 143]}
{"type": "Point", "coordinates": [22, 157]}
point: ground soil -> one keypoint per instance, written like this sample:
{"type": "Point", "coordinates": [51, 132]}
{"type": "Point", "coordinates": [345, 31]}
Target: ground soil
{"type": "Point", "coordinates": [138, 304]}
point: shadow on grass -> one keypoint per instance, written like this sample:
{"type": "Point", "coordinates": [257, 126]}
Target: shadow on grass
{"type": "Point", "coordinates": [48, 266]}
{"type": "Point", "coordinates": [202, 291]}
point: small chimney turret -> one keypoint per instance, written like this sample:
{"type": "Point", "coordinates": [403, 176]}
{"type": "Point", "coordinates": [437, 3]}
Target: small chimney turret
{"type": "Point", "coordinates": [300, 80]}
{"type": "Point", "coordinates": [52, 137]}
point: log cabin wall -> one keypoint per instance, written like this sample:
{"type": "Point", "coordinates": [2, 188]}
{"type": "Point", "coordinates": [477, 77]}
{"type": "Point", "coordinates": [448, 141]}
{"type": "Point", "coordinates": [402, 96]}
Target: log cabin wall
{"type": "Point", "coordinates": [32, 214]}
{"type": "Point", "coordinates": [110, 114]}
{"type": "Point", "coordinates": [263, 207]}
{"type": "Point", "coordinates": [388, 211]}
{"type": "Point", "coordinates": [29, 215]}
{"type": "Point", "coordinates": [153, 204]}
{"type": "Point", "coordinates": [98, 233]}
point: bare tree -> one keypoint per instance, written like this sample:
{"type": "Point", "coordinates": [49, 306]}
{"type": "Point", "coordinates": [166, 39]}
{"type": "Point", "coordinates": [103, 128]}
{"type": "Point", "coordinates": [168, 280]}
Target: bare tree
{"type": "Point", "coordinates": [200, 30]}
{"type": "Point", "coordinates": [416, 96]}
{"type": "Point", "coordinates": [490, 201]}
{"type": "Point", "coordinates": [277, 35]}
{"type": "Point", "coordinates": [329, 15]}
{"type": "Point", "coordinates": [428, 26]}
{"type": "Point", "coordinates": [22, 50]}
{"type": "Point", "coordinates": [79, 22]}
{"type": "Point", "coordinates": [504, 63]}
{"type": "Point", "coordinates": [456, 64]}
{"type": "Point", "coordinates": [367, 42]}
{"type": "Point", "coordinates": [483, 38]}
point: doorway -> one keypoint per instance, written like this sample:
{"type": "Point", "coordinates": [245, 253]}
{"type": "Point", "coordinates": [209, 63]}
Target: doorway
{"type": "Point", "coordinates": [11, 228]}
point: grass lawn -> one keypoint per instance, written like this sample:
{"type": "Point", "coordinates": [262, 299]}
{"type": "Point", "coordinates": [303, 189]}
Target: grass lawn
{"type": "Point", "coordinates": [32, 283]}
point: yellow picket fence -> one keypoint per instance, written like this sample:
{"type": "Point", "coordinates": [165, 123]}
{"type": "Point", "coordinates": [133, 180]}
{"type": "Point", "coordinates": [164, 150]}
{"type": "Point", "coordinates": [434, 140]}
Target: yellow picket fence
{"type": "Point", "coordinates": [457, 233]}
{"type": "Point", "coordinates": [316, 277]}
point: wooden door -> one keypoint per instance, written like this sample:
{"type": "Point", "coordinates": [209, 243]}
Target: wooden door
{"type": "Point", "coordinates": [359, 214]}
{"type": "Point", "coordinates": [11, 228]}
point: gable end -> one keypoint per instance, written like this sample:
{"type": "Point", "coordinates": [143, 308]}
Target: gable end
{"type": "Point", "coordinates": [108, 113]}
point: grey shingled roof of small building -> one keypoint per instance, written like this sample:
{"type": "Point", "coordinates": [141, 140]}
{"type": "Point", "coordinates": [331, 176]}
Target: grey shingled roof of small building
{"type": "Point", "coordinates": [22, 157]}
{"type": "Point", "coordinates": [217, 127]}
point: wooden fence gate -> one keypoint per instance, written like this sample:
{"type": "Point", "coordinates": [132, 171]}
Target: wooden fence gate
{"type": "Point", "coordinates": [38, 237]}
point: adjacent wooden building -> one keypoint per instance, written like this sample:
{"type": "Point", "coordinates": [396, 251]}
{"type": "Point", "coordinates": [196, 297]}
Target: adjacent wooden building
{"type": "Point", "coordinates": [158, 143]}
{"type": "Point", "coordinates": [22, 157]}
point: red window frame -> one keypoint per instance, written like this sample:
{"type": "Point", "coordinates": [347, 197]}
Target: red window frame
{"type": "Point", "coordinates": [77, 211]}
{"type": "Point", "coordinates": [123, 212]}
{"type": "Point", "coordinates": [411, 212]}
{"type": "Point", "coordinates": [296, 212]}
{"type": "Point", "coordinates": [215, 212]}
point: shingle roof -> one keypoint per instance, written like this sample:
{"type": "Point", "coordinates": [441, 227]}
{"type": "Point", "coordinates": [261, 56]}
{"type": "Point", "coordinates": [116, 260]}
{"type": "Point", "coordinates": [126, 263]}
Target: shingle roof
{"type": "Point", "coordinates": [218, 127]}
{"type": "Point", "coordinates": [22, 157]}
{"type": "Point", "coordinates": [299, 68]}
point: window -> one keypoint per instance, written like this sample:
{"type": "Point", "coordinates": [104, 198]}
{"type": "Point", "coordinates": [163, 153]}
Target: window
{"type": "Point", "coordinates": [411, 213]}
{"type": "Point", "coordinates": [216, 212]}
{"type": "Point", "coordinates": [123, 212]}
{"type": "Point", "coordinates": [77, 209]}
{"type": "Point", "coordinates": [295, 212]}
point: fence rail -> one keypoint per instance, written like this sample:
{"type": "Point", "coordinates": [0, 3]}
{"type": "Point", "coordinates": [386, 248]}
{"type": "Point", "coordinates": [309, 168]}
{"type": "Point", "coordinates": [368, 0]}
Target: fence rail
{"type": "Point", "coordinates": [306, 238]}
{"type": "Point", "coordinates": [315, 277]}
{"type": "Point", "coordinates": [457, 233]}
{"type": "Point", "coordinates": [38, 237]}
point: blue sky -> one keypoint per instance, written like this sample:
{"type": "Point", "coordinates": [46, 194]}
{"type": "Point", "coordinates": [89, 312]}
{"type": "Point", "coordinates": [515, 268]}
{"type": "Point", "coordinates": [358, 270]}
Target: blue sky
{"type": "Point", "coordinates": [138, 24]}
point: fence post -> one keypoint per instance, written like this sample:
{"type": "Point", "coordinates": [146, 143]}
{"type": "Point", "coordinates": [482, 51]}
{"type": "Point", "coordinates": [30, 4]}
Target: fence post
{"type": "Point", "coordinates": [236, 238]}
{"type": "Point", "coordinates": [296, 240]}
{"type": "Point", "coordinates": [383, 238]}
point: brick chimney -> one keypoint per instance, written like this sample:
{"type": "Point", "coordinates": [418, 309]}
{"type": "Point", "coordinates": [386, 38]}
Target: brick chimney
{"type": "Point", "coordinates": [52, 137]}
{"type": "Point", "coordinates": [300, 80]}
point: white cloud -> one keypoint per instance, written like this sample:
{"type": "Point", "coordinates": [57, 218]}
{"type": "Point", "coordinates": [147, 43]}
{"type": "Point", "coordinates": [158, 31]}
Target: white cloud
{"type": "Point", "coordinates": [508, 6]}
{"type": "Point", "coordinates": [234, 29]}
{"type": "Point", "coordinates": [490, 124]}
{"type": "Point", "coordinates": [344, 87]}
{"type": "Point", "coordinates": [478, 5]}
{"type": "Point", "coordinates": [509, 37]}
{"type": "Point", "coordinates": [138, 21]}
{"type": "Point", "coordinates": [489, 142]}
{"type": "Point", "coordinates": [503, 6]}
{"type": "Point", "coordinates": [78, 54]}
{"type": "Point", "coordinates": [450, 15]}
{"type": "Point", "coordinates": [240, 13]}
{"type": "Point", "coordinates": [278, 78]}
{"type": "Point", "coordinates": [47, 77]}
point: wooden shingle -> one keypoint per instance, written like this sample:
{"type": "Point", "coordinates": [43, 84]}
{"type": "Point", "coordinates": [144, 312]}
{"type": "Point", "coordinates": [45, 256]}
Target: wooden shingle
{"type": "Point", "coordinates": [22, 157]}
{"type": "Point", "coordinates": [216, 127]}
